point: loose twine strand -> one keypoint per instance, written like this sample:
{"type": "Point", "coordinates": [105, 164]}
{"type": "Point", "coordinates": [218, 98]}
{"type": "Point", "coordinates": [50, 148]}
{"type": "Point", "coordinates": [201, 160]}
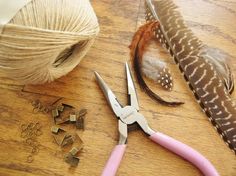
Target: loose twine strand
{"type": "Point", "coordinates": [46, 39]}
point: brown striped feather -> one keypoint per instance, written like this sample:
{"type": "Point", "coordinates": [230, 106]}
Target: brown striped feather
{"type": "Point", "coordinates": [204, 68]}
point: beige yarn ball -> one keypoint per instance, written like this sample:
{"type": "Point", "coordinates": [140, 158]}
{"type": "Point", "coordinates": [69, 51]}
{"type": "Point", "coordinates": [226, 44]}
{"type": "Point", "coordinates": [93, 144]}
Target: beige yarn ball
{"type": "Point", "coordinates": [46, 39]}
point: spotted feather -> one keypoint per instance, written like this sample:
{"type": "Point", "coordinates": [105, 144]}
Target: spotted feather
{"type": "Point", "coordinates": [204, 68]}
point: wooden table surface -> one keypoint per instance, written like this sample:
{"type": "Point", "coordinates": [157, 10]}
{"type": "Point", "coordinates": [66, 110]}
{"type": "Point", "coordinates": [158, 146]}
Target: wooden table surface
{"type": "Point", "coordinates": [213, 21]}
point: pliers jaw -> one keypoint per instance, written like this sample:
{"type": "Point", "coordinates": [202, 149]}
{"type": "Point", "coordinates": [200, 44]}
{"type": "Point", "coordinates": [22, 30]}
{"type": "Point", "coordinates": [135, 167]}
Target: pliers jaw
{"type": "Point", "coordinates": [110, 96]}
{"type": "Point", "coordinates": [133, 99]}
{"type": "Point", "coordinates": [129, 114]}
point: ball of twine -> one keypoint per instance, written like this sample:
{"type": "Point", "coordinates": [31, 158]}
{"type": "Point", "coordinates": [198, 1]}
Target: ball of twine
{"type": "Point", "coordinates": [46, 39]}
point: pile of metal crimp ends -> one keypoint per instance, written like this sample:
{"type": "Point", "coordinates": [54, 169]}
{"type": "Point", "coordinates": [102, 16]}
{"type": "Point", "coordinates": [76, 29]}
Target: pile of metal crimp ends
{"type": "Point", "coordinates": [65, 114]}
{"type": "Point", "coordinates": [74, 116]}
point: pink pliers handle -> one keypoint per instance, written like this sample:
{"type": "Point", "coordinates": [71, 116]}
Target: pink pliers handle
{"type": "Point", "coordinates": [114, 160]}
{"type": "Point", "coordinates": [169, 143]}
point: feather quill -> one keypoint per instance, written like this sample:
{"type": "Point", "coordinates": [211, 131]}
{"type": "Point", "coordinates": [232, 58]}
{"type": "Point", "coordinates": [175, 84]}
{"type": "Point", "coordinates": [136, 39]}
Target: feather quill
{"type": "Point", "coordinates": [204, 68]}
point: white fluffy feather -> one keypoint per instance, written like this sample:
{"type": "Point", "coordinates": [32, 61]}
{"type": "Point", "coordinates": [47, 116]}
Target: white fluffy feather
{"type": "Point", "coordinates": [157, 71]}
{"type": "Point", "coordinates": [151, 67]}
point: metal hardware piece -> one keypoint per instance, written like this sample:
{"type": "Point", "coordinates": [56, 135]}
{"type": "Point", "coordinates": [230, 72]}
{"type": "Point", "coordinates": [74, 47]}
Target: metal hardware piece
{"type": "Point", "coordinates": [35, 150]}
{"type": "Point", "coordinates": [60, 108]}
{"type": "Point", "coordinates": [80, 122]}
{"type": "Point", "coordinates": [70, 159]}
{"type": "Point", "coordinates": [38, 126]}
{"type": "Point", "coordinates": [39, 107]}
{"type": "Point", "coordinates": [55, 113]}
{"type": "Point", "coordinates": [73, 118]}
{"type": "Point", "coordinates": [38, 133]}
{"type": "Point", "coordinates": [30, 132]}
{"type": "Point", "coordinates": [66, 105]}
{"type": "Point", "coordinates": [79, 142]}
{"type": "Point", "coordinates": [82, 112]}
{"type": "Point", "coordinates": [74, 151]}
{"type": "Point", "coordinates": [56, 129]}
{"type": "Point", "coordinates": [35, 102]}
{"type": "Point", "coordinates": [68, 139]}
{"type": "Point", "coordinates": [30, 159]}
{"type": "Point", "coordinates": [23, 127]}
{"type": "Point", "coordinates": [59, 138]}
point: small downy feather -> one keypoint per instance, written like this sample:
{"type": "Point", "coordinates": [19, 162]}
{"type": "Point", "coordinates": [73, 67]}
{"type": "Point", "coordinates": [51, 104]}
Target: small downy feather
{"type": "Point", "coordinates": [204, 68]}
{"type": "Point", "coordinates": [157, 71]}
{"type": "Point", "coordinates": [137, 48]}
{"type": "Point", "coordinates": [219, 60]}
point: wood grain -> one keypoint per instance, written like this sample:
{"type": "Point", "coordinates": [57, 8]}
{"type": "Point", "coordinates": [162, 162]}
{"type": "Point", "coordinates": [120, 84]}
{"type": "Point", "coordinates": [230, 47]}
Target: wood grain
{"type": "Point", "coordinates": [211, 20]}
